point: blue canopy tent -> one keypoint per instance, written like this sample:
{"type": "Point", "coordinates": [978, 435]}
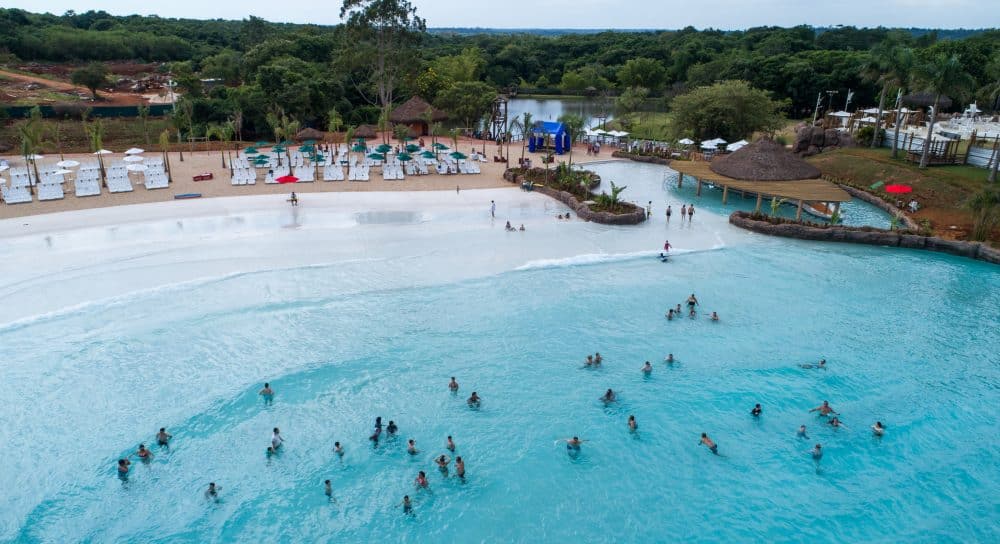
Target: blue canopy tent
{"type": "Point", "coordinates": [546, 131]}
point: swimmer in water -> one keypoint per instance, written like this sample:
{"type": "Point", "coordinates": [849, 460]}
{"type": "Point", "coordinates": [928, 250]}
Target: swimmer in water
{"type": "Point", "coordinates": [692, 301]}
{"type": "Point", "coordinates": [378, 430]}
{"type": "Point", "coordinates": [632, 425]}
{"type": "Point", "coordinates": [573, 443]}
{"type": "Point", "coordinates": [670, 314]}
{"type": "Point", "coordinates": [824, 409]}
{"type": "Point", "coordinates": [267, 393]}
{"type": "Point", "coordinates": [328, 491]}
{"type": "Point", "coordinates": [647, 368]}
{"type": "Point", "coordinates": [460, 467]}
{"type": "Point", "coordinates": [817, 452]}
{"type": "Point", "coordinates": [878, 429]}
{"type": "Point", "coordinates": [271, 451]}
{"type": "Point", "coordinates": [411, 447]}
{"type": "Point", "coordinates": [123, 467]}
{"type": "Point", "coordinates": [802, 432]}
{"type": "Point", "coordinates": [391, 428]}
{"type": "Point", "coordinates": [474, 400]}
{"type": "Point", "coordinates": [677, 310]}
{"type": "Point", "coordinates": [450, 444]}
{"type": "Point", "coordinates": [706, 441]}
{"type": "Point", "coordinates": [820, 364]}
{"type": "Point", "coordinates": [338, 449]}
{"type": "Point", "coordinates": [276, 439]}
{"type": "Point", "coordinates": [835, 422]}
{"type": "Point", "coordinates": [589, 361]}
{"type": "Point", "coordinates": [669, 359]}
{"type": "Point", "coordinates": [756, 411]}
{"type": "Point", "coordinates": [144, 454]}
{"type": "Point", "coordinates": [212, 493]}
{"type": "Point", "coordinates": [163, 437]}
{"type": "Point", "coordinates": [597, 358]}
{"type": "Point", "coordinates": [442, 463]}
{"type": "Point", "coordinates": [421, 480]}
{"type": "Point", "coordinates": [609, 396]}
{"type": "Point", "coordinates": [407, 505]}
{"type": "Point", "coordinates": [714, 317]}
{"type": "Point", "coordinates": [453, 385]}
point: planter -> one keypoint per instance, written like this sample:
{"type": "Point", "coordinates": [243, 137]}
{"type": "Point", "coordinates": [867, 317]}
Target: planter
{"type": "Point", "coordinates": [641, 158]}
{"type": "Point", "coordinates": [632, 217]}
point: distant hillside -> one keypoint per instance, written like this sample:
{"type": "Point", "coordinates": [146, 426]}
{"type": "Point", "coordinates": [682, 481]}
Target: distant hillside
{"type": "Point", "coordinates": [938, 33]}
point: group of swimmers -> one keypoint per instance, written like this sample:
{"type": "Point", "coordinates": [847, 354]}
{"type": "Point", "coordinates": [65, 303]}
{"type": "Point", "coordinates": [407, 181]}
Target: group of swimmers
{"type": "Point", "coordinates": [510, 228]}
{"type": "Point", "coordinates": [692, 301]}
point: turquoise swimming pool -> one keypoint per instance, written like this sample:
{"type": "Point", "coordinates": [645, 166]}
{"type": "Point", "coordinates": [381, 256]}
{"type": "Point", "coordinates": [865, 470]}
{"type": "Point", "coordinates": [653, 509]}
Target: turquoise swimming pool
{"type": "Point", "coordinates": [911, 339]}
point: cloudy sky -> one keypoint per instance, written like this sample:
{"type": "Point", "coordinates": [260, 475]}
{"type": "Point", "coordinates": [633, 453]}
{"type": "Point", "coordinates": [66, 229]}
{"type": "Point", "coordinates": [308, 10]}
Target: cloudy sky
{"type": "Point", "coordinates": [659, 14]}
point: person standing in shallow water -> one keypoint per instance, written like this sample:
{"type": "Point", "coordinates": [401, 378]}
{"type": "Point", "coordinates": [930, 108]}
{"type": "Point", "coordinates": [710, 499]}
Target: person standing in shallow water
{"type": "Point", "coordinates": [690, 212]}
{"type": "Point", "coordinates": [453, 385]}
{"type": "Point", "coordinates": [267, 393]}
{"type": "Point", "coordinates": [669, 211]}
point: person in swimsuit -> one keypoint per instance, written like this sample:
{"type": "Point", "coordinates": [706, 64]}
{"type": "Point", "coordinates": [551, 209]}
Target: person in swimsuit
{"type": "Point", "coordinates": [574, 443]}
{"type": "Point", "coordinates": [391, 428]}
{"type": "Point", "coordinates": [669, 359]}
{"type": "Point", "coordinates": [271, 452]}
{"type": "Point", "coordinates": [123, 467]}
{"type": "Point", "coordinates": [411, 447]}
{"type": "Point", "coordinates": [690, 212]}
{"type": "Point", "coordinates": [328, 491]}
{"type": "Point", "coordinates": [647, 368]}
{"type": "Point", "coordinates": [474, 400]}
{"type": "Point", "coordinates": [421, 480]}
{"type": "Point", "coordinates": [378, 430]}
{"type": "Point", "coordinates": [878, 429]}
{"type": "Point", "coordinates": [597, 358]}
{"type": "Point", "coordinates": [677, 310]}
{"type": "Point", "coordinates": [802, 432]}
{"type": "Point", "coordinates": [684, 211]}
{"type": "Point", "coordinates": [267, 393]}
{"type": "Point", "coordinates": [692, 313]}
{"type": "Point", "coordinates": [460, 467]}
{"type": "Point", "coordinates": [276, 439]}
{"type": "Point", "coordinates": [706, 441]}
{"type": "Point", "coordinates": [632, 425]}
{"type": "Point", "coordinates": [609, 396]}
{"type": "Point", "coordinates": [442, 463]}
{"type": "Point", "coordinates": [450, 444]}
{"type": "Point", "coordinates": [453, 385]}
{"type": "Point", "coordinates": [589, 361]}
{"type": "Point", "coordinates": [212, 493]}
{"type": "Point", "coordinates": [821, 364]}
{"type": "Point", "coordinates": [407, 505]}
{"type": "Point", "coordinates": [714, 317]}
{"type": "Point", "coordinates": [824, 409]}
{"type": "Point", "coordinates": [163, 437]}
{"type": "Point", "coordinates": [756, 410]}
{"type": "Point", "coordinates": [817, 452]}
{"type": "Point", "coordinates": [666, 246]}
{"type": "Point", "coordinates": [143, 454]}
{"type": "Point", "coordinates": [669, 211]}
{"type": "Point", "coordinates": [670, 314]}
{"type": "Point", "coordinates": [692, 301]}
{"type": "Point", "coordinates": [338, 449]}
{"type": "Point", "coordinates": [835, 422]}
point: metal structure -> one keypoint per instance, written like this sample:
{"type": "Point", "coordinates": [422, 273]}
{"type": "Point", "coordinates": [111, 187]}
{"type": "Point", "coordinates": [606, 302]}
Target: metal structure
{"type": "Point", "coordinates": [497, 130]}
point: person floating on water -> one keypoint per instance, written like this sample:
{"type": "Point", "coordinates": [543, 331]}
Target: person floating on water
{"type": "Point", "coordinates": [509, 227]}
{"type": "Point", "coordinates": [276, 439]}
{"type": "Point", "coordinates": [802, 432]}
{"type": "Point", "coordinates": [267, 393]}
{"type": "Point", "coordinates": [212, 493]}
{"type": "Point", "coordinates": [522, 227]}
{"type": "Point", "coordinates": [391, 428]}
{"type": "Point", "coordinates": [820, 364]}
{"type": "Point", "coordinates": [835, 422]}
{"type": "Point", "coordinates": [453, 385]}
{"type": "Point", "coordinates": [421, 480]}
{"type": "Point", "coordinates": [706, 441]}
{"type": "Point", "coordinates": [878, 429]}
{"type": "Point", "coordinates": [632, 425]}
{"type": "Point", "coordinates": [474, 400]}
{"type": "Point", "coordinates": [450, 444]}
{"type": "Point", "coordinates": [824, 409]}
{"type": "Point", "coordinates": [817, 452]}
{"type": "Point", "coordinates": [677, 310]}
{"type": "Point", "coordinates": [756, 410]}
{"type": "Point", "coordinates": [647, 368]}
{"type": "Point", "coordinates": [163, 437]}
{"type": "Point", "coordinates": [378, 430]}
{"type": "Point", "coordinates": [609, 396]}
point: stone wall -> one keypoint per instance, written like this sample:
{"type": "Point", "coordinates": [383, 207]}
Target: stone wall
{"type": "Point", "coordinates": [583, 211]}
{"type": "Point", "coordinates": [640, 158]}
{"type": "Point", "coordinates": [869, 236]}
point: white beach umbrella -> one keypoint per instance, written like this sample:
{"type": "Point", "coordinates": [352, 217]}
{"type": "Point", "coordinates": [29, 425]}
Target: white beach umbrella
{"type": "Point", "coordinates": [735, 146]}
{"type": "Point", "coordinates": [841, 113]}
{"type": "Point", "coordinates": [133, 158]}
{"type": "Point", "coordinates": [62, 172]}
{"type": "Point", "coordinates": [35, 157]}
{"type": "Point", "coordinates": [103, 152]}
{"type": "Point", "coordinates": [136, 167]}
{"type": "Point", "coordinates": [686, 141]}
{"type": "Point", "coordinates": [4, 167]}
{"type": "Point", "coordinates": [135, 151]}
{"type": "Point", "coordinates": [68, 163]}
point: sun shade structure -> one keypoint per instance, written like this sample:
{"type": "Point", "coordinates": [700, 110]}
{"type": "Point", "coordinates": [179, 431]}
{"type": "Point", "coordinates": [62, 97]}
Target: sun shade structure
{"type": "Point", "coordinates": [413, 114]}
{"type": "Point", "coordinates": [309, 134]}
{"type": "Point", "coordinates": [135, 151]}
{"type": "Point", "coordinates": [366, 131]}
{"type": "Point", "coordinates": [924, 100]}
{"type": "Point", "coordinates": [764, 160]}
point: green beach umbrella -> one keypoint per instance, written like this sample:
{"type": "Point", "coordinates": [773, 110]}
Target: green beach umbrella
{"type": "Point", "coordinates": [376, 156]}
{"type": "Point", "coordinates": [427, 155]}
{"type": "Point", "coordinates": [285, 142]}
{"type": "Point", "coordinates": [262, 143]}
{"type": "Point", "coordinates": [318, 157]}
{"type": "Point", "coordinates": [457, 155]}
{"type": "Point", "coordinates": [440, 146]}
{"type": "Point", "coordinates": [360, 148]}
{"type": "Point", "coordinates": [309, 142]}
{"type": "Point", "coordinates": [251, 151]}
{"type": "Point", "coordinates": [261, 161]}
{"type": "Point", "coordinates": [306, 148]}
{"type": "Point", "coordinates": [384, 148]}
{"type": "Point", "coordinates": [411, 148]}
{"type": "Point", "coordinates": [404, 157]}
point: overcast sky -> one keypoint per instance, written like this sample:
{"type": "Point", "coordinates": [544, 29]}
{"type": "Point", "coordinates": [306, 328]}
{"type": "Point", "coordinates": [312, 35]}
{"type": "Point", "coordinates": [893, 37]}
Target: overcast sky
{"type": "Point", "coordinates": [657, 14]}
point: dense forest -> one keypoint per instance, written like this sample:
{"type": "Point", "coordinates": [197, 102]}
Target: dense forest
{"type": "Point", "coordinates": [313, 74]}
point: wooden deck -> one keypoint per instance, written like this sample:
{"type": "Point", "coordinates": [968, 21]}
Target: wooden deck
{"type": "Point", "coordinates": [807, 190]}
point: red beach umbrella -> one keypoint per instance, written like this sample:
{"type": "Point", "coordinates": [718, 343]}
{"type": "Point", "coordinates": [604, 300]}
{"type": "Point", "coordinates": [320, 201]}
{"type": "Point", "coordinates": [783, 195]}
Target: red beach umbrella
{"type": "Point", "coordinates": [287, 179]}
{"type": "Point", "coordinates": [898, 189]}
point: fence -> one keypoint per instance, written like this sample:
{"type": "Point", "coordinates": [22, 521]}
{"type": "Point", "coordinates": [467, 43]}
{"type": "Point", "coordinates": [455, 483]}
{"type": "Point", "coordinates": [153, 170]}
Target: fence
{"type": "Point", "coordinates": [982, 157]}
{"type": "Point", "coordinates": [75, 110]}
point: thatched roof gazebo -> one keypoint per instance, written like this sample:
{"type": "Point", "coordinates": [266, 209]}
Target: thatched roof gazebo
{"type": "Point", "coordinates": [764, 168]}
{"type": "Point", "coordinates": [366, 131]}
{"type": "Point", "coordinates": [309, 134]}
{"type": "Point", "coordinates": [926, 100]}
{"type": "Point", "coordinates": [413, 113]}
{"type": "Point", "coordinates": [764, 160]}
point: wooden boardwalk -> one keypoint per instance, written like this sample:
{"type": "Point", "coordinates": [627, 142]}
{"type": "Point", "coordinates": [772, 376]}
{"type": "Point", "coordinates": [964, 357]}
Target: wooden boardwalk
{"type": "Point", "coordinates": [807, 190]}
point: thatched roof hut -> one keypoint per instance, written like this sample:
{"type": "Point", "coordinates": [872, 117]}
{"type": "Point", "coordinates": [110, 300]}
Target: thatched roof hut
{"type": "Point", "coordinates": [309, 134]}
{"type": "Point", "coordinates": [764, 160]}
{"type": "Point", "coordinates": [366, 131]}
{"type": "Point", "coordinates": [926, 100]}
{"type": "Point", "coordinates": [412, 113]}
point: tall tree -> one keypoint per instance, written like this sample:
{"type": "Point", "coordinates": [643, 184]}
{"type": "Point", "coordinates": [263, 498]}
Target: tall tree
{"type": "Point", "coordinates": [165, 148]}
{"type": "Point", "coordinates": [31, 134]}
{"type": "Point", "coordinates": [144, 119]}
{"type": "Point", "coordinates": [730, 109]}
{"type": "Point", "coordinates": [888, 66]}
{"type": "Point", "coordinates": [942, 74]}
{"type": "Point", "coordinates": [527, 124]}
{"type": "Point", "coordinates": [380, 35]}
{"type": "Point", "coordinates": [93, 76]}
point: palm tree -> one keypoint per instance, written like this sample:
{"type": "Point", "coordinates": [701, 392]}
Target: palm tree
{"type": "Point", "coordinates": [574, 124]}
{"type": "Point", "coordinates": [453, 133]}
{"type": "Point", "coordinates": [888, 65]}
{"type": "Point", "coordinates": [989, 93]}
{"type": "Point", "coordinates": [237, 120]}
{"type": "Point", "coordinates": [165, 147]}
{"type": "Point", "coordinates": [348, 137]}
{"type": "Point", "coordinates": [515, 123]}
{"type": "Point", "coordinates": [985, 206]}
{"type": "Point", "coordinates": [95, 131]}
{"type": "Point", "coordinates": [941, 75]}
{"type": "Point", "coordinates": [144, 118]}
{"type": "Point", "coordinates": [527, 130]}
